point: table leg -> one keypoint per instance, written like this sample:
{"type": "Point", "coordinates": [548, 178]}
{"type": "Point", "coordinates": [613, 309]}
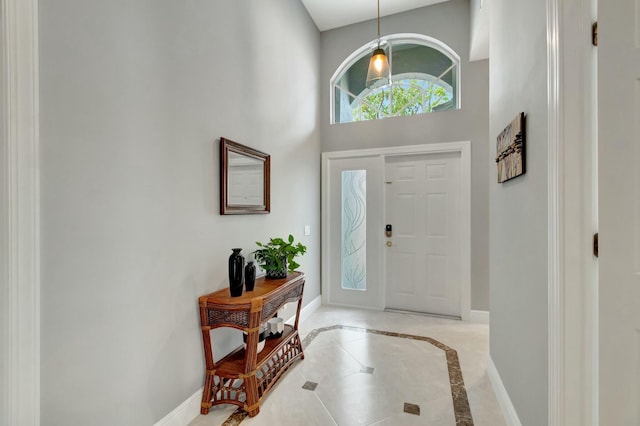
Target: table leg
{"type": "Point", "coordinates": [206, 394]}
{"type": "Point", "coordinates": [209, 373]}
{"type": "Point", "coordinates": [252, 406]}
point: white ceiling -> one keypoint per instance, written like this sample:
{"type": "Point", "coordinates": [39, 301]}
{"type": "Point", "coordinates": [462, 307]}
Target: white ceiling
{"type": "Point", "coordinates": [328, 14]}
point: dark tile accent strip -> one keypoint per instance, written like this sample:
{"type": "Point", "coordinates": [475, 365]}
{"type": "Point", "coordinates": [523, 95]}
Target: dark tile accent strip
{"type": "Point", "coordinates": [367, 370]}
{"type": "Point", "coordinates": [461, 408]}
{"type": "Point", "coordinates": [310, 386]}
{"type": "Point", "coordinates": [235, 419]}
{"type": "Point", "coordinates": [411, 408]}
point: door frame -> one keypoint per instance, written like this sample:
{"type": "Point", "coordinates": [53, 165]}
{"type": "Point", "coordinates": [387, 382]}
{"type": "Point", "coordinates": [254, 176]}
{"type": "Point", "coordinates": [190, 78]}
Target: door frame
{"type": "Point", "coordinates": [20, 227]}
{"type": "Point", "coordinates": [572, 214]}
{"type": "Point", "coordinates": [464, 149]}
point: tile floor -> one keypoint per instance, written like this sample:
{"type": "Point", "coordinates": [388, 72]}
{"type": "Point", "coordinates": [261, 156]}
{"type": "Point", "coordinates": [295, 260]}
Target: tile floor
{"type": "Point", "coordinates": [353, 377]}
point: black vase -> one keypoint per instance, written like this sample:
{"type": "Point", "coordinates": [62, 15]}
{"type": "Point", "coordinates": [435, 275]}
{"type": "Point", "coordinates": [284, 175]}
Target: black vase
{"type": "Point", "coordinates": [250, 276]}
{"type": "Point", "coordinates": [236, 267]}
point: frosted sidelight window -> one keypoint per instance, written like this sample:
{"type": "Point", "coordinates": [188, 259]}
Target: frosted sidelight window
{"type": "Point", "coordinates": [354, 229]}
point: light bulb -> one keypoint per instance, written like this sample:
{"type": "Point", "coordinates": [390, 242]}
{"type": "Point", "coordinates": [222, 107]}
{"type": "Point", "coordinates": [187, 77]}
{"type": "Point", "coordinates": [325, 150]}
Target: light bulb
{"type": "Point", "coordinates": [378, 63]}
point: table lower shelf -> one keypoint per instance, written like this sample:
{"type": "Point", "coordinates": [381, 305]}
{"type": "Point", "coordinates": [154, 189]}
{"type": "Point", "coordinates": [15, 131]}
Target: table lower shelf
{"type": "Point", "coordinates": [233, 365]}
{"type": "Point", "coordinates": [228, 383]}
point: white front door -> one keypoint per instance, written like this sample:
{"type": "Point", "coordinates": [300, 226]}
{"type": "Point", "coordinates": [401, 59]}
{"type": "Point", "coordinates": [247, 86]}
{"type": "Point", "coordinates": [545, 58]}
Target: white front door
{"type": "Point", "coordinates": [619, 210]}
{"type": "Point", "coordinates": [354, 197]}
{"type": "Point", "coordinates": [423, 202]}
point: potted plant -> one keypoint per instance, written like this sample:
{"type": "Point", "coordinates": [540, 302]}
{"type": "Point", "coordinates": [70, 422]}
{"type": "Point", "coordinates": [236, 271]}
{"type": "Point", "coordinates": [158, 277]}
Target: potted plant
{"type": "Point", "coordinates": [277, 256]}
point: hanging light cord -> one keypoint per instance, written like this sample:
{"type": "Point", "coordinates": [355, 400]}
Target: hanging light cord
{"type": "Point", "coordinates": [378, 23]}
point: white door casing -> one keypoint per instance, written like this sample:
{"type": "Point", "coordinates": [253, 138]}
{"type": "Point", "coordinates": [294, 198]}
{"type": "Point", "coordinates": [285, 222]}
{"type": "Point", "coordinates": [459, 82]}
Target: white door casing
{"type": "Point", "coordinates": [20, 275]}
{"type": "Point", "coordinates": [572, 213]}
{"type": "Point", "coordinates": [422, 256]}
{"type": "Point", "coordinates": [619, 210]}
{"type": "Point", "coordinates": [329, 260]}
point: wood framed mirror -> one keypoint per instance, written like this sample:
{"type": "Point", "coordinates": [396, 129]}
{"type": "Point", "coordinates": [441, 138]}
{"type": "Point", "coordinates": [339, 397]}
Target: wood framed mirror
{"type": "Point", "coordinates": [244, 179]}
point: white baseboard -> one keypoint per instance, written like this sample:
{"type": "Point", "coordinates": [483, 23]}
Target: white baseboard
{"type": "Point", "coordinates": [508, 410]}
{"type": "Point", "coordinates": [346, 305]}
{"type": "Point", "coordinates": [479, 317]}
{"type": "Point", "coordinates": [307, 310]}
{"type": "Point", "coordinates": [184, 413]}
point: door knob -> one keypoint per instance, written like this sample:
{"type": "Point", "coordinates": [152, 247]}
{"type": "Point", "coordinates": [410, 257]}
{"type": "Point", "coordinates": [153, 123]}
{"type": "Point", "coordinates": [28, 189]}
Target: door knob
{"type": "Point", "coordinates": [389, 243]}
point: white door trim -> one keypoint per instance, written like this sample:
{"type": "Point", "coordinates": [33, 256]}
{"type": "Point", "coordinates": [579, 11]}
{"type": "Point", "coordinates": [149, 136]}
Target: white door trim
{"type": "Point", "coordinates": [21, 196]}
{"type": "Point", "coordinates": [572, 215]}
{"type": "Point", "coordinates": [464, 148]}
{"type": "Point", "coordinates": [555, 325]}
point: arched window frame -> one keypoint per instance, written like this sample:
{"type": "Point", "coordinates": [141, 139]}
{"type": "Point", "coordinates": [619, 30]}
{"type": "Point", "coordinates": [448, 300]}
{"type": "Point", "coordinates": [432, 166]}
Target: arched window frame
{"type": "Point", "coordinates": [420, 39]}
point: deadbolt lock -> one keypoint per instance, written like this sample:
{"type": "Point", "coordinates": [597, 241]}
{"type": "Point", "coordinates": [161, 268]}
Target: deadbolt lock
{"type": "Point", "coordinates": [389, 243]}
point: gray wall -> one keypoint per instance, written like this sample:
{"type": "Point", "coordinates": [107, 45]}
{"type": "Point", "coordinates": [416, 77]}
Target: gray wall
{"type": "Point", "coordinates": [518, 240]}
{"type": "Point", "coordinates": [134, 96]}
{"type": "Point", "coordinates": [4, 285]}
{"type": "Point", "coordinates": [448, 22]}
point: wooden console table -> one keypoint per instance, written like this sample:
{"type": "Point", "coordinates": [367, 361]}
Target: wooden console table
{"type": "Point", "coordinates": [243, 377]}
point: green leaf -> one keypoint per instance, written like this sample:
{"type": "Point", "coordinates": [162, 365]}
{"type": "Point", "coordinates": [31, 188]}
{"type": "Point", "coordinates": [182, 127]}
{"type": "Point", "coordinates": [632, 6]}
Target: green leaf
{"type": "Point", "coordinates": [293, 266]}
{"type": "Point", "coordinates": [278, 254]}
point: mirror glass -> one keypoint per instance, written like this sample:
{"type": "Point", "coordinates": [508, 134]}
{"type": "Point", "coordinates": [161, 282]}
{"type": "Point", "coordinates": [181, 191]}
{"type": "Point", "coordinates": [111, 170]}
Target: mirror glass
{"type": "Point", "coordinates": [244, 179]}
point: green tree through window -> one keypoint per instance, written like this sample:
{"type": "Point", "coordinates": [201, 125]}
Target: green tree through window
{"type": "Point", "coordinates": [407, 97]}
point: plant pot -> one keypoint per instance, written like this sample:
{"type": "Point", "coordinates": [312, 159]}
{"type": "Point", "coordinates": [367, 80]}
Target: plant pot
{"type": "Point", "coordinates": [276, 327]}
{"type": "Point", "coordinates": [276, 274]}
{"type": "Point", "coordinates": [279, 273]}
{"type": "Point", "coordinates": [261, 338]}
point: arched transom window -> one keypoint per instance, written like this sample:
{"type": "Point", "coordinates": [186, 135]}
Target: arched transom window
{"type": "Point", "coordinates": [424, 77]}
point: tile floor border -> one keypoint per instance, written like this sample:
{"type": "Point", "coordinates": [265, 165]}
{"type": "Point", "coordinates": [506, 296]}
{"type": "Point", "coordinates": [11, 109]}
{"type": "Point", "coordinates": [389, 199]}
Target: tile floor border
{"type": "Point", "coordinates": [461, 408]}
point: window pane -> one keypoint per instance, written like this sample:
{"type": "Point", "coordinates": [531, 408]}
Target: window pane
{"type": "Point", "coordinates": [354, 229]}
{"type": "Point", "coordinates": [414, 58]}
{"type": "Point", "coordinates": [408, 97]}
{"type": "Point", "coordinates": [449, 102]}
{"type": "Point", "coordinates": [424, 78]}
{"type": "Point", "coordinates": [375, 105]}
{"type": "Point", "coordinates": [344, 113]}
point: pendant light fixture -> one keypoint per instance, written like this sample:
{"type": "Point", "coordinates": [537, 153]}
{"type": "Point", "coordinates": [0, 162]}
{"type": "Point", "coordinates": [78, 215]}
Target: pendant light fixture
{"type": "Point", "coordinates": [379, 64]}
